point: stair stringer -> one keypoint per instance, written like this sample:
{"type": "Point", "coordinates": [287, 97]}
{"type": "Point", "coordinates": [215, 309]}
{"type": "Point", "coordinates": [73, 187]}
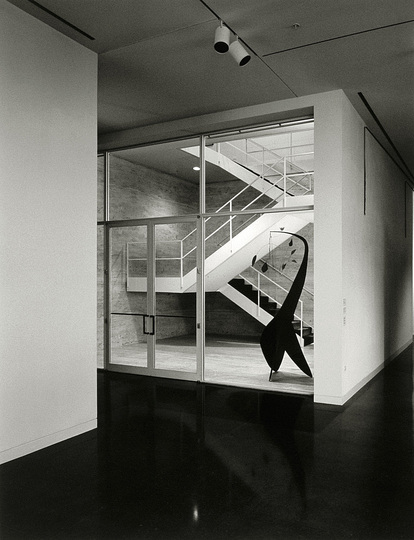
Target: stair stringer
{"type": "Point", "coordinates": [252, 179]}
{"type": "Point", "coordinates": [250, 307]}
{"type": "Point", "coordinates": [233, 257]}
{"type": "Point", "coordinates": [230, 260]}
{"type": "Point", "coordinates": [246, 304]}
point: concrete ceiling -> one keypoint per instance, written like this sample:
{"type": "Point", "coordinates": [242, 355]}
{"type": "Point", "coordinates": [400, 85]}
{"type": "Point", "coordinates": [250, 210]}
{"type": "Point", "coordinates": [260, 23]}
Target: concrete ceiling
{"type": "Point", "coordinates": [157, 62]}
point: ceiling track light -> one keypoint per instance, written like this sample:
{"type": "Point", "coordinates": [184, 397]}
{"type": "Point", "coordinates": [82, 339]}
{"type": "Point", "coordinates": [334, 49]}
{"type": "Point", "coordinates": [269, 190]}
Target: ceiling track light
{"type": "Point", "coordinates": [222, 39]}
{"type": "Point", "coordinates": [222, 45]}
{"type": "Point", "coordinates": [239, 53]}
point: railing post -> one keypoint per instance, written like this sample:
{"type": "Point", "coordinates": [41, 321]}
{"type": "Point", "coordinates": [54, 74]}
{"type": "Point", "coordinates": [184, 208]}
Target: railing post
{"type": "Point", "coordinates": [284, 182]}
{"type": "Point", "coordinates": [231, 227]}
{"type": "Point", "coordinates": [258, 294]}
{"type": "Point", "coordinates": [301, 320]}
{"type": "Point", "coordinates": [263, 164]}
{"type": "Point", "coordinates": [127, 263]}
{"type": "Point", "coordinates": [181, 263]}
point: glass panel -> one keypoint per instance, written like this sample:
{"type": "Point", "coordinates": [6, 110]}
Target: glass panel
{"type": "Point", "coordinates": [154, 181]}
{"type": "Point", "coordinates": [128, 259]}
{"type": "Point", "coordinates": [232, 333]}
{"type": "Point", "coordinates": [175, 282]}
{"type": "Point", "coordinates": [101, 188]}
{"type": "Point", "coordinates": [256, 171]}
{"type": "Point", "coordinates": [100, 298]}
{"type": "Point", "coordinates": [247, 280]}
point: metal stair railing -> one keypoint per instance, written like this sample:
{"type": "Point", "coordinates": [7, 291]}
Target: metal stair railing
{"type": "Point", "coordinates": [229, 204]}
{"type": "Point", "coordinates": [229, 238]}
{"type": "Point", "coordinates": [263, 150]}
{"type": "Point", "coordinates": [261, 293]}
{"type": "Point", "coordinates": [274, 200]}
{"type": "Point", "coordinates": [285, 276]}
{"type": "Point", "coordinates": [271, 167]}
{"type": "Point", "coordinates": [181, 257]}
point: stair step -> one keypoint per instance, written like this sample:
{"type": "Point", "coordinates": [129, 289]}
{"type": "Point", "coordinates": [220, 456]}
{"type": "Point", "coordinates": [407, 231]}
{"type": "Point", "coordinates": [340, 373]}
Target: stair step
{"type": "Point", "coordinates": [306, 330]}
{"type": "Point", "coordinates": [272, 308]}
{"type": "Point", "coordinates": [251, 295]}
{"type": "Point", "coordinates": [240, 285]}
{"type": "Point", "coordinates": [269, 306]}
{"type": "Point", "coordinates": [307, 340]}
{"type": "Point", "coordinates": [237, 282]}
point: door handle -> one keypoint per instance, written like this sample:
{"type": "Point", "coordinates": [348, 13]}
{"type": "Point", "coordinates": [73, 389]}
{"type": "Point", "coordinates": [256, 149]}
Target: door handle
{"type": "Point", "coordinates": [151, 331]}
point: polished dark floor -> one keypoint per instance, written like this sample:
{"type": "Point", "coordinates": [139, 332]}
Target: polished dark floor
{"type": "Point", "coordinates": [173, 460]}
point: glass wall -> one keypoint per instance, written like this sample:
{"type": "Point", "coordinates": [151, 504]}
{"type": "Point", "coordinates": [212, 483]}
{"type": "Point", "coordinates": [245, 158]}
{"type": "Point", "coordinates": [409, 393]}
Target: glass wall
{"type": "Point", "coordinates": [175, 284]}
{"type": "Point", "coordinates": [128, 295]}
{"type": "Point", "coordinates": [100, 260]}
{"type": "Point", "coordinates": [154, 181]}
{"type": "Point", "coordinates": [253, 181]}
{"type": "Point", "coordinates": [247, 176]}
{"type": "Point", "coordinates": [152, 296]}
{"type": "Point", "coordinates": [260, 169]}
{"type": "Point", "coordinates": [100, 297]}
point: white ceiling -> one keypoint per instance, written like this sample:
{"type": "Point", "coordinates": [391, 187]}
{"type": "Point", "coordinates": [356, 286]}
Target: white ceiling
{"type": "Point", "coordinates": [157, 62]}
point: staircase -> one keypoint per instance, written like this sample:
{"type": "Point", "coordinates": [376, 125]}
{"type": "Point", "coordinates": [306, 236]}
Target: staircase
{"type": "Point", "coordinates": [270, 306]}
{"type": "Point", "coordinates": [246, 289]}
{"type": "Point", "coordinates": [229, 249]}
{"type": "Point", "coordinates": [227, 259]}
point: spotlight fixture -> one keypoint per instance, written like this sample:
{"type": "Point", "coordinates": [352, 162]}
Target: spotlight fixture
{"type": "Point", "coordinates": [222, 39]}
{"type": "Point", "coordinates": [239, 53]}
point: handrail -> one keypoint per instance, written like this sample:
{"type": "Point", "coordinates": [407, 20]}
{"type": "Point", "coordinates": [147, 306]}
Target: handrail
{"type": "Point", "coordinates": [280, 158]}
{"type": "Point", "coordinates": [180, 258]}
{"type": "Point", "coordinates": [262, 192]}
{"type": "Point", "coordinates": [274, 200]}
{"type": "Point", "coordinates": [285, 275]}
{"type": "Point", "coordinates": [271, 152]}
{"type": "Point", "coordinates": [250, 184]}
{"type": "Point", "coordinates": [182, 255]}
{"type": "Point", "coordinates": [260, 292]}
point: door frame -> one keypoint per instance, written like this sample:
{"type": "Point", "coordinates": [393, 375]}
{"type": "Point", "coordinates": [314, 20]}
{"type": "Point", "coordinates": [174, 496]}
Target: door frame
{"type": "Point", "coordinates": [150, 369]}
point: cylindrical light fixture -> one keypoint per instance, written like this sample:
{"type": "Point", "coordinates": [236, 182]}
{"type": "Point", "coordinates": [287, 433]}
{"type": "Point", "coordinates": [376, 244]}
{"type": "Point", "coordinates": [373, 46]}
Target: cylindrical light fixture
{"type": "Point", "coordinates": [239, 53]}
{"type": "Point", "coordinates": [222, 39]}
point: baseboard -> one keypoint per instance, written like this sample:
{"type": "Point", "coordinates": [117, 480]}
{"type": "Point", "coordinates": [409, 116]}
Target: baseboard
{"type": "Point", "coordinates": [43, 442]}
{"type": "Point", "coordinates": [339, 401]}
{"type": "Point", "coordinates": [320, 399]}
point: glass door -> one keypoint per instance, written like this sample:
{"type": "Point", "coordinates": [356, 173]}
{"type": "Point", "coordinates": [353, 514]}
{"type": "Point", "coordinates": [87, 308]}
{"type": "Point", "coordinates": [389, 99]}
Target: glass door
{"type": "Point", "coordinates": [128, 320]}
{"type": "Point", "coordinates": [175, 306]}
{"type": "Point", "coordinates": [152, 298]}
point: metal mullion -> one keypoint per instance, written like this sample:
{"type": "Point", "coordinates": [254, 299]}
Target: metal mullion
{"type": "Point", "coordinates": [200, 286]}
{"type": "Point", "coordinates": [157, 221]}
{"type": "Point", "coordinates": [106, 186]}
{"type": "Point", "coordinates": [107, 268]}
{"type": "Point", "coordinates": [151, 301]}
{"type": "Point", "coordinates": [107, 297]}
{"type": "Point", "coordinates": [287, 210]}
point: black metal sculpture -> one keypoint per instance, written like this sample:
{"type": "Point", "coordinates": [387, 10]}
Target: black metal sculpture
{"type": "Point", "coordinates": [279, 335]}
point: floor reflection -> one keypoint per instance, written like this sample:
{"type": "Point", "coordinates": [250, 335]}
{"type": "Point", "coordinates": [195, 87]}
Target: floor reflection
{"type": "Point", "coordinates": [205, 454]}
{"type": "Point", "coordinates": [173, 459]}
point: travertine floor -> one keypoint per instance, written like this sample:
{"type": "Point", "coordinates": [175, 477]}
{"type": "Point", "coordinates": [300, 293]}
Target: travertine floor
{"type": "Point", "coordinates": [231, 361]}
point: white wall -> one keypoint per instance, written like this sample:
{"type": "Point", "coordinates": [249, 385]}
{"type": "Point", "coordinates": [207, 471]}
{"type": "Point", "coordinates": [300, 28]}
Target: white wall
{"type": "Point", "coordinates": [47, 235]}
{"type": "Point", "coordinates": [328, 259]}
{"type": "Point", "coordinates": [363, 262]}
{"type": "Point", "coordinates": [377, 256]}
